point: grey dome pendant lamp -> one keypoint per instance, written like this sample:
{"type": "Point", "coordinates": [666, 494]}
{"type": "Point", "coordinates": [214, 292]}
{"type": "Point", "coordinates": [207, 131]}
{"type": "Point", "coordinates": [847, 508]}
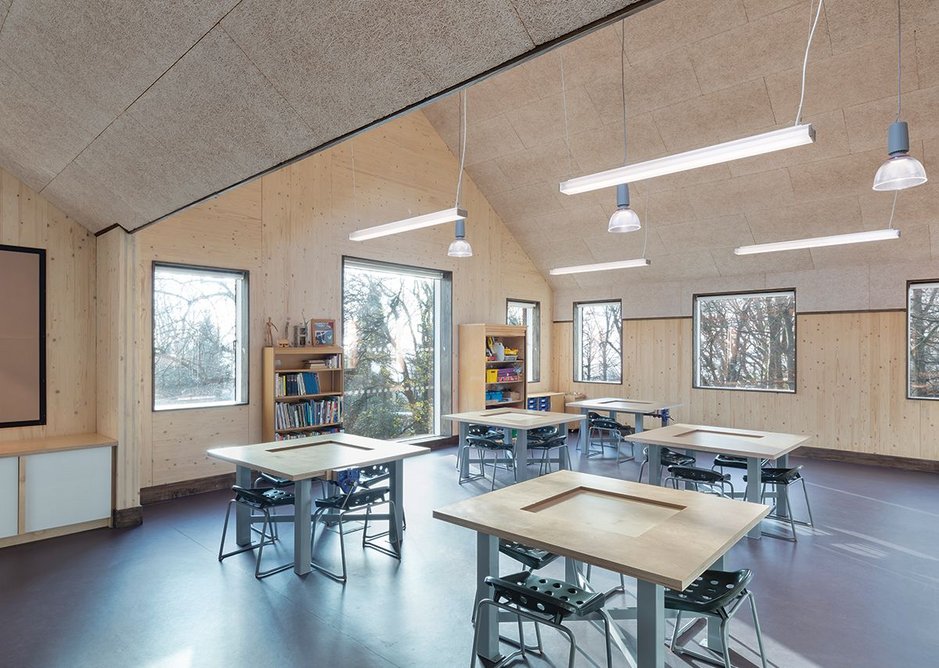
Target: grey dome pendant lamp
{"type": "Point", "coordinates": [460, 247]}
{"type": "Point", "coordinates": [624, 219]}
{"type": "Point", "coordinates": [900, 170]}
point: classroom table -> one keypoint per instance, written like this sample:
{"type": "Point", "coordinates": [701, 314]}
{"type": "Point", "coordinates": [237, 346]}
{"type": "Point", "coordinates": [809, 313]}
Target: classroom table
{"type": "Point", "coordinates": [303, 459]}
{"type": "Point", "coordinates": [750, 443]}
{"type": "Point", "coordinates": [638, 408]}
{"type": "Point", "coordinates": [519, 419]}
{"type": "Point", "coordinates": [663, 537]}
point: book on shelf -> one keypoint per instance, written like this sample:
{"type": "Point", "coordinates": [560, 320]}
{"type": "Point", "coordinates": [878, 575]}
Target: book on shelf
{"type": "Point", "coordinates": [297, 384]}
{"type": "Point", "coordinates": [309, 413]}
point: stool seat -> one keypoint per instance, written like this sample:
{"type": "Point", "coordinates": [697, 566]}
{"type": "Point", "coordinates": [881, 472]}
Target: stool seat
{"type": "Point", "coordinates": [673, 458]}
{"type": "Point", "coordinates": [531, 557]}
{"type": "Point", "coordinates": [711, 591]}
{"type": "Point", "coordinates": [362, 497]}
{"type": "Point", "coordinates": [698, 474]}
{"type": "Point", "coordinates": [555, 598]}
{"type": "Point", "coordinates": [262, 498]}
{"type": "Point", "coordinates": [485, 431]}
{"type": "Point", "coordinates": [543, 433]}
{"type": "Point", "coordinates": [730, 461]}
{"type": "Point", "coordinates": [779, 476]}
{"type": "Point", "coordinates": [487, 443]}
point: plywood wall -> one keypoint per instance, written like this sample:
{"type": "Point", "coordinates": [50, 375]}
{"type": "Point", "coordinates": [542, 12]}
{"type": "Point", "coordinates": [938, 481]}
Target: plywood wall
{"type": "Point", "coordinates": [851, 379]}
{"type": "Point", "coordinates": [290, 230]}
{"type": "Point", "coordinates": [26, 219]}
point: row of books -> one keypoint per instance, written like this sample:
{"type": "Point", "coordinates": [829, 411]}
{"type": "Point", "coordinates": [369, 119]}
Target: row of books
{"type": "Point", "coordinates": [307, 413]}
{"type": "Point", "coordinates": [331, 362]}
{"type": "Point", "coordinates": [294, 384]}
{"type": "Point", "coordinates": [299, 434]}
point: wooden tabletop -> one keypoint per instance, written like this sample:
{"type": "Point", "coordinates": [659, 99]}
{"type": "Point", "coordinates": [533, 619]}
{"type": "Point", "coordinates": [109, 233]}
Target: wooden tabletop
{"type": "Point", "coordinates": [657, 534]}
{"type": "Point", "coordinates": [513, 418]}
{"type": "Point", "coordinates": [624, 405]}
{"type": "Point", "coordinates": [723, 440]}
{"type": "Point", "coordinates": [302, 458]}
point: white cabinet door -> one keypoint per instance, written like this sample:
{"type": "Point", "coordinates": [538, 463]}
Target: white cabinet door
{"type": "Point", "coordinates": [67, 487]}
{"type": "Point", "coordinates": [9, 495]}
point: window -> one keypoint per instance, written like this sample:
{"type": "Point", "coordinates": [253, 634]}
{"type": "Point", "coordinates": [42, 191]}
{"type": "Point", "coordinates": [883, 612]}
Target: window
{"type": "Point", "coordinates": [922, 326]}
{"type": "Point", "coordinates": [745, 341]}
{"type": "Point", "coordinates": [598, 342]}
{"type": "Point", "coordinates": [200, 337]}
{"type": "Point", "coordinates": [527, 314]}
{"type": "Point", "coordinates": [396, 335]}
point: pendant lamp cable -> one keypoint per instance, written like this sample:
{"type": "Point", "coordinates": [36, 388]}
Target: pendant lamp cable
{"type": "Point", "coordinates": [459, 180]}
{"type": "Point", "coordinates": [805, 59]}
{"type": "Point", "coordinates": [893, 208]}
{"type": "Point", "coordinates": [567, 132]}
{"type": "Point", "coordinates": [899, 58]}
{"type": "Point", "coordinates": [622, 66]}
{"type": "Point", "coordinates": [354, 199]}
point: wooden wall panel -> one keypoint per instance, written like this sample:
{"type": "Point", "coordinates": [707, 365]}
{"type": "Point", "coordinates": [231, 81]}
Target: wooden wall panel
{"type": "Point", "coordinates": [26, 219]}
{"type": "Point", "coordinates": [851, 383]}
{"type": "Point", "coordinates": [290, 229]}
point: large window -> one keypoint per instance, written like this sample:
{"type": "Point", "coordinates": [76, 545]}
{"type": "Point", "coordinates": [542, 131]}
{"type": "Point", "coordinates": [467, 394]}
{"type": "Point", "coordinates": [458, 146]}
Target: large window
{"type": "Point", "coordinates": [200, 337]}
{"type": "Point", "coordinates": [745, 341]}
{"type": "Point", "coordinates": [598, 342]}
{"type": "Point", "coordinates": [527, 314]}
{"type": "Point", "coordinates": [396, 335]}
{"type": "Point", "coordinates": [923, 340]}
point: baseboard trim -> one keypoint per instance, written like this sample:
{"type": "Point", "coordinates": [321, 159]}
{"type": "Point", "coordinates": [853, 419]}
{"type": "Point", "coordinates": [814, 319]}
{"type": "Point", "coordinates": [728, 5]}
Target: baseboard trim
{"type": "Point", "coordinates": [176, 490]}
{"type": "Point", "coordinates": [868, 459]}
{"type": "Point", "coordinates": [127, 518]}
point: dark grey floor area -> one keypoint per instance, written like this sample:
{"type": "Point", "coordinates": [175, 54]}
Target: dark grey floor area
{"type": "Point", "coordinates": [860, 590]}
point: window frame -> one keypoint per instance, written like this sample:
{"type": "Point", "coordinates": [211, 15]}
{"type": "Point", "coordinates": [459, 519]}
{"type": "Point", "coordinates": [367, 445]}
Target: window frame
{"type": "Point", "coordinates": [909, 287]}
{"type": "Point", "coordinates": [575, 341]}
{"type": "Point", "coordinates": [243, 352]}
{"type": "Point", "coordinates": [533, 364]}
{"type": "Point", "coordinates": [695, 339]}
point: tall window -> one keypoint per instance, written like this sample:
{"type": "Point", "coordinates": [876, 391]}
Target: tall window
{"type": "Point", "coordinates": [598, 342]}
{"type": "Point", "coordinates": [396, 335]}
{"type": "Point", "coordinates": [745, 341]}
{"type": "Point", "coordinates": [527, 314]}
{"type": "Point", "coordinates": [200, 337]}
{"type": "Point", "coordinates": [923, 340]}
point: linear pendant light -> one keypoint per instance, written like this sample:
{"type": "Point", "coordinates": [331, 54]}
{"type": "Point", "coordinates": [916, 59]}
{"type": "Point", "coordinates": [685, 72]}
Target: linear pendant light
{"type": "Point", "coordinates": [415, 223]}
{"type": "Point", "coordinates": [819, 242]}
{"type": "Point", "coordinates": [775, 140]}
{"type": "Point", "coordinates": [602, 266]}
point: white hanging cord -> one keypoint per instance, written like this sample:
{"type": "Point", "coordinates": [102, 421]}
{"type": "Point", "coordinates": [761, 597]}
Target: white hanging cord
{"type": "Point", "coordinates": [893, 208]}
{"type": "Point", "coordinates": [459, 180]}
{"type": "Point", "coordinates": [805, 60]}
{"type": "Point", "coordinates": [354, 199]}
{"type": "Point", "coordinates": [645, 230]}
{"type": "Point", "coordinates": [899, 69]}
{"type": "Point", "coordinates": [622, 64]}
{"type": "Point", "coordinates": [567, 133]}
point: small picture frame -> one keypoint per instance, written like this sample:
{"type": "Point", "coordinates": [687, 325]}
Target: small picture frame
{"type": "Point", "coordinates": [322, 332]}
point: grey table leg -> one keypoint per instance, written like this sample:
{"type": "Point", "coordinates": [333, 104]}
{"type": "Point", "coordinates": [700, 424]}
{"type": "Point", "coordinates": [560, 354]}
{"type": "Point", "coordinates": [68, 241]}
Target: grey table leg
{"type": "Point", "coordinates": [714, 625]}
{"type": "Point", "coordinates": [639, 423]}
{"type": "Point", "coordinates": [753, 490]}
{"type": "Point", "coordinates": [650, 601]}
{"type": "Point", "coordinates": [396, 532]}
{"type": "Point", "coordinates": [303, 493]}
{"type": "Point", "coordinates": [462, 451]}
{"type": "Point", "coordinates": [487, 563]}
{"type": "Point", "coordinates": [582, 438]}
{"type": "Point", "coordinates": [655, 464]}
{"type": "Point", "coordinates": [242, 512]}
{"type": "Point", "coordinates": [521, 455]}
{"type": "Point", "coordinates": [782, 492]}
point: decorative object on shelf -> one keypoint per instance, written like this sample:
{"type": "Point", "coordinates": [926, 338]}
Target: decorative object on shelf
{"type": "Point", "coordinates": [322, 332]}
{"type": "Point", "coordinates": [269, 337]}
{"type": "Point", "coordinates": [301, 335]}
{"type": "Point", "coordinates": [900, 170]}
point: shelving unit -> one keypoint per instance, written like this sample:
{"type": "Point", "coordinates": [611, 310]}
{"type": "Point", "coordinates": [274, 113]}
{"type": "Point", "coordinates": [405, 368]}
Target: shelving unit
{"type": "Point", "coordinates": [291, 409]}
{"type": "Point", "coordinates": [476, 368]}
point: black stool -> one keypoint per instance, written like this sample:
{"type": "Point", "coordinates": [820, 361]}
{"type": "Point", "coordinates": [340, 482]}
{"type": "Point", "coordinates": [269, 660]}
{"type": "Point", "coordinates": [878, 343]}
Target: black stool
{"type": "Point", "coordinates": [545, 447]}
{"type": "Point", "coordinates": [733, 462]}
{"type": "Point", "coordinates": [696, 476]}
{"type": "Point", "coordinates": [784, 477]}
{"type": "Point", "coordinates": [716, 594]}
{"type": "Point", "coordinates": [608, 428]}
{"type": "Point", "coordinates": [668, 458]}
{"type": "Point", "coordinates": [263, 500]}
{"type": "Point", "coordinates": [543, 601]}
{"type": "Point", "coordinates": [485, 431]}
{"type": "Point", "coordinates": [502, 452]}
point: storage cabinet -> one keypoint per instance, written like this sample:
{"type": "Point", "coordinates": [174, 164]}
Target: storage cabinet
{"type": "Point", "coordinates": [9, 496]}
{"type": "Point", "coordinates": [488, 379]}
{"type": "Point", "coordinates": [303, 390]}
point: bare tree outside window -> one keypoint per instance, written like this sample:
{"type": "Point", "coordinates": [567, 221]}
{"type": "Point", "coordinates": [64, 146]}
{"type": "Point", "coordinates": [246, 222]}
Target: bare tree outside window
{"type": "Point", "coordinates": [746, 342]}
{"type": "Point", "coordinates": [199, 337]}
{"type": "Point", "coordinates": [598, 342]}
{"type": "Point", "coordinates": [923, 340]}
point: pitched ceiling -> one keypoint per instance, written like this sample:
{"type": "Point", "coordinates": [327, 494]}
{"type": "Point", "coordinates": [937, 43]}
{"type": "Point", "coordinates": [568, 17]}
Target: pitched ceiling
{"type": "Point", "coordinates": [698, 73]}
{"type": "Point", "coordinates": [121, 112]}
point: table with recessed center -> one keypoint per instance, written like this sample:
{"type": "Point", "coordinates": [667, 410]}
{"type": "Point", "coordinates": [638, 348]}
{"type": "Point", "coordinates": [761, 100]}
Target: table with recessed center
{"type": "Point", "coordinates": [662, 537]}
{"type": "Point", "coordinates": [638, 408]}
{"type": "Point", "coordinates": [303, 459]}
{"type": "Point", "coordinates": [752, 444]}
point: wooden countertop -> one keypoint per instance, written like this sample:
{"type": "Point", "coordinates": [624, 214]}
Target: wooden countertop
{"type": "Point", "coordinates": [623, 405]}
{"type": "Point", "coordinates": [36, 446]}
{"type": "Point", "coordinates": [723, 440]}
{"type": "Point", "coordinates": [656, 534]}
{"type": "Point", "coordinates": [512, 418]}
{"type": "Point", "coordinates": [302, 458]}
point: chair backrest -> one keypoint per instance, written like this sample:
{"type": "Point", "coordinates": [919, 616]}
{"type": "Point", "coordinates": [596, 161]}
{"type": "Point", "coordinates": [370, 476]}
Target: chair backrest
{"type": "Point", "coordinates": [483, 442]}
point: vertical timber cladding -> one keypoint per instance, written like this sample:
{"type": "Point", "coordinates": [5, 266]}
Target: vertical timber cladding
{"type": "Point", "coordinates": [851, 392]}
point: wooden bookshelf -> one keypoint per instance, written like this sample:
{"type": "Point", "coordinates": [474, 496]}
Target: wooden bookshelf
{"type": "Point", "coordinates": [298, 399]}
{"type": "Point", "coordinates": [474, 364]}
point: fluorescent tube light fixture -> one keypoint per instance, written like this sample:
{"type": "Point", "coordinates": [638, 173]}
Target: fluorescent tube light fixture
{"type": "Point", "coordinates": [819, 242]}
{"type": "Point", "coordinates": [775, 140]}
{"type": "Point", "coordinates": [602, 266]}
{"type": "Point", "coordinates": [408, 224]}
